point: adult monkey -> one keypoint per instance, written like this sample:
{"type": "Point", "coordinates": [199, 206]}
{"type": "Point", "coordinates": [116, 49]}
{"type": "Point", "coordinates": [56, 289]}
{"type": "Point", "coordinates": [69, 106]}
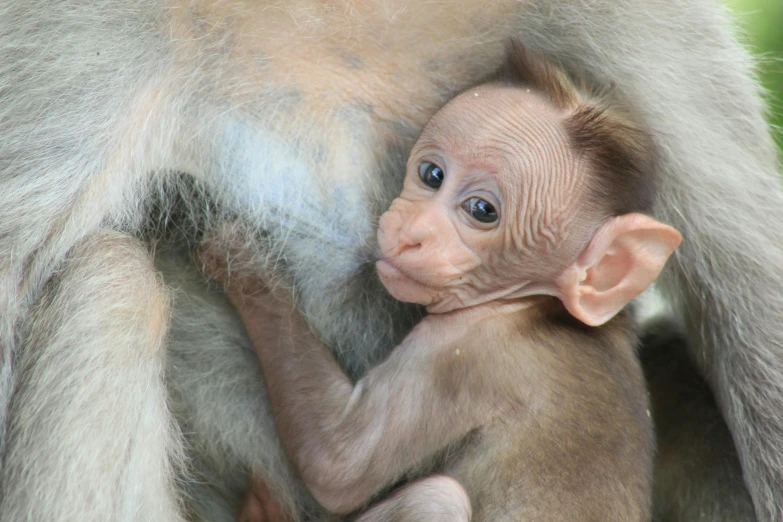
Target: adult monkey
{"type": "Point", "coordinates": [295, 117]}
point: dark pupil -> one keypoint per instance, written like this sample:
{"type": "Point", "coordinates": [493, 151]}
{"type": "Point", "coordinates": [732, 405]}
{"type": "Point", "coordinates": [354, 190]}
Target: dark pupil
{"type": "Point", "coordinates": [481, 210]}
{"type": "Point", "coordinates": [431, 174]}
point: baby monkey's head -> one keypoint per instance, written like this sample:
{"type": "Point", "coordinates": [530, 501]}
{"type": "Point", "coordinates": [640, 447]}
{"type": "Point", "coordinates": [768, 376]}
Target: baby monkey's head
{"type": "Point", "coordinates": [523, 187]}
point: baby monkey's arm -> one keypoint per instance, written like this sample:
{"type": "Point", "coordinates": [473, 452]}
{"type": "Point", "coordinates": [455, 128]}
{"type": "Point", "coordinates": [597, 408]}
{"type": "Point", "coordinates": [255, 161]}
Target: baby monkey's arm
{"type": "Point", "coordinates": [349, 440]}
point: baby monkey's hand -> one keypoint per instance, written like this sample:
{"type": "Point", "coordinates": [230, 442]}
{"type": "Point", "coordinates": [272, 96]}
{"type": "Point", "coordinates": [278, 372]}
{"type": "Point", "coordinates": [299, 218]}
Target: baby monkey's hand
{"type": "Point", "coordinates": [226, 256]}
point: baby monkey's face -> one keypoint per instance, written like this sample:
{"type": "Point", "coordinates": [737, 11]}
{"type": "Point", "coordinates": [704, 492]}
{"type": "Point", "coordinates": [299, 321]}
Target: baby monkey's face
{"type": "Point", "coordinates": [488, 204]}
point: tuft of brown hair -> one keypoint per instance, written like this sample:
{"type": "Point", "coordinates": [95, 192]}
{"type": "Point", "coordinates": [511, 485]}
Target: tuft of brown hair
{"type": "Point", "coordinates": [620, 151]}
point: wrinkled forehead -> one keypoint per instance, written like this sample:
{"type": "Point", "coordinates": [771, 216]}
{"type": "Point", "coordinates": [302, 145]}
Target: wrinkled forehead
{"type": "Point", "coordinates": [509, 130]}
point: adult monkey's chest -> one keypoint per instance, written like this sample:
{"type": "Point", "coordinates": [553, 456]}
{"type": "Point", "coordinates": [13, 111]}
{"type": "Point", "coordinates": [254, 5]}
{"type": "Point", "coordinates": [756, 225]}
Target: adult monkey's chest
{"type": "Point", "coordinates": [398, 56]}
{"type": "Point", "coordinates": [325, 98]}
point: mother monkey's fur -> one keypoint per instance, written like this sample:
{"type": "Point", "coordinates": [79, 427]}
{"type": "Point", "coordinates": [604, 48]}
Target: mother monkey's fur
{"type": "Point", "coordinates": [296, 118]}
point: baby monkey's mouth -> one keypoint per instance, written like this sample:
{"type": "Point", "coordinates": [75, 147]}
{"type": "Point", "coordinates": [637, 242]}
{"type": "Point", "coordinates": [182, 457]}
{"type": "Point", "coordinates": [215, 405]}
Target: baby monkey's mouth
{"type": "Point", "coordinates": [388, 269]}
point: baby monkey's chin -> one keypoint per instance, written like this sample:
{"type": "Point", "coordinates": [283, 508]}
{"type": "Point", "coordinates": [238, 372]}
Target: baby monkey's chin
{"type": "Point", "coordinates": [403, 287]}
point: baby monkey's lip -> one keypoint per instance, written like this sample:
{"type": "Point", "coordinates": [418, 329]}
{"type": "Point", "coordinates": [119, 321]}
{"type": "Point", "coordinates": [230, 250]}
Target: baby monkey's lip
{"type": "Point", "coordinates": [386, 270]}
{"type": "Point", "coordinates": [402, 286]}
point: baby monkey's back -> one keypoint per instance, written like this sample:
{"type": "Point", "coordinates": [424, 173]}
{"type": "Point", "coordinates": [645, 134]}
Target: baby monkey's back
{"type": "Point", "coordinates": [573, 439]}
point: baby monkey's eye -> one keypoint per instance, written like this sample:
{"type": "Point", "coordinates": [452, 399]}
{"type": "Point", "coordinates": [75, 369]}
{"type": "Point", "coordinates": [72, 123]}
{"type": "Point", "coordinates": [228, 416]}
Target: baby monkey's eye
{"type": "Point", "coordinates": [480, 210]}
{"type": "Point", "coordinates": [431, 174]}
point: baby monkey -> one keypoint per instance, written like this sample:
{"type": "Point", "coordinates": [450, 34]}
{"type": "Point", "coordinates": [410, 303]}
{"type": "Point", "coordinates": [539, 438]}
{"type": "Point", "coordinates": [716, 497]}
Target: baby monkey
{"type": "Point", "coordinates": [519, 396]}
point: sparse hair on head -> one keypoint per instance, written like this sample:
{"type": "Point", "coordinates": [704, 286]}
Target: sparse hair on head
{"type": "Point", "coordinates": [619, 150]}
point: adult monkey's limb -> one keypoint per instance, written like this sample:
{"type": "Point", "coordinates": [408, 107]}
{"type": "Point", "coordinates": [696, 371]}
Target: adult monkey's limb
{"type": "Point", "coordinates": [696, 464]}
{"type": "Point", "coordinates": [94, 365]}
{"type": "Point", "coordinates": [217, 393]}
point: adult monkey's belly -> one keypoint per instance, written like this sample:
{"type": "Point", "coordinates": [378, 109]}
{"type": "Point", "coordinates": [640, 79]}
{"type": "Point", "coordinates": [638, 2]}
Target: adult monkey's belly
{"type": "Point", "coordinates": [329, 92]}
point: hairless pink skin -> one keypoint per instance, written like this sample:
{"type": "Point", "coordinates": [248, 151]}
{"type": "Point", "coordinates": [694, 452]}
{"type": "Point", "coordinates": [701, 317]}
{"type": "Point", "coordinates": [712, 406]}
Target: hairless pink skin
{"type": "Point", "coordinates": [508, 147]}
{"type": "Point", "coordinates": [434, 253]}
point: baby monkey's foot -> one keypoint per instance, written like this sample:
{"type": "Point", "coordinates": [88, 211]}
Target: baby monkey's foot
{"type": "Point", "coordinates": [259, 506]}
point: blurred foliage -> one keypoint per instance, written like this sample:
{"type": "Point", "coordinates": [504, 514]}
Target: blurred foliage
{"type": "Point", "coordinates": [761, 21]}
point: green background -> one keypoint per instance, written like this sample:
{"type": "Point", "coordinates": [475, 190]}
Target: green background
{"type": "Point", "coordinates": [761, 28]}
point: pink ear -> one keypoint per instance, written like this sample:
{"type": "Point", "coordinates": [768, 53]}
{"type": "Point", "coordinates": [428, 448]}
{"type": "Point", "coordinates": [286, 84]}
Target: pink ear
{"type": "Point", "coordinates": [623, 258]}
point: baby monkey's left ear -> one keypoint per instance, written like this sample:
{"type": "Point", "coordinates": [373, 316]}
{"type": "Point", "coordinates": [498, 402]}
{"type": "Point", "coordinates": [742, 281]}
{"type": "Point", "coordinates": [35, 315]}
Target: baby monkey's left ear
{"type": "Point", "coordinates": [622, 259]}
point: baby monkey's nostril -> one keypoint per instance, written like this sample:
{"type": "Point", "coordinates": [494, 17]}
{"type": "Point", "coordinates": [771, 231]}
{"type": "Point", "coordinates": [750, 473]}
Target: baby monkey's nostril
{"type": "Point", "coordinates": [409, 247]}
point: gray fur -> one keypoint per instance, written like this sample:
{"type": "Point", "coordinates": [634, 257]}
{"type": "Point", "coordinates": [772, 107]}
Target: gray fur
{"type": "Point", "coordinates": [696, 463]}
{"type": "Point", "coordinates": [97, 108]}
{"type": "Point", "coordinates": [98, 456]}
{"type": "Point", "coordinates": [211, 362]}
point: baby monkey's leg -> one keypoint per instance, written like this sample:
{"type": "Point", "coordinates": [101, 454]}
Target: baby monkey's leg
{"type": "Point", "coordinates": [436, 499]}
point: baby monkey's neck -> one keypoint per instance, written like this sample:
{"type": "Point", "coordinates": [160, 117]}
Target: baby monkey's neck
{"type": "Point", "coordinates": [491, 309]}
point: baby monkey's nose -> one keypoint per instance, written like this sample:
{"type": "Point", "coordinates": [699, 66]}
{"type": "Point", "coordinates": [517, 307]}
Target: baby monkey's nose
{"type": "Point", "coordinates": [417, 231]}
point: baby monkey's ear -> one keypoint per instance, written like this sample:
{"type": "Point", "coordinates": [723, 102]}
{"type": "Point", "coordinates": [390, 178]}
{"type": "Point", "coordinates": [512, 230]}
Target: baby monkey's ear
{"type": "Point", "coordinates": [622, 259]}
